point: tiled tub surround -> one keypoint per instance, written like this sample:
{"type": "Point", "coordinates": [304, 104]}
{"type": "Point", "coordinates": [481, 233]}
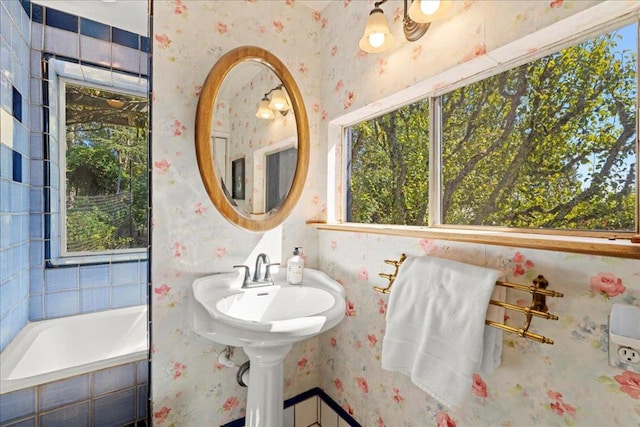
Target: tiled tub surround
{"type": "Point", "coordinates": [115, 396]}
{"type": "Point", "coordinates": [28, 203]}
{"type": "Point", "coordinates": [15, 154]}
{"type": "Point", "coordinates": [58, 288]}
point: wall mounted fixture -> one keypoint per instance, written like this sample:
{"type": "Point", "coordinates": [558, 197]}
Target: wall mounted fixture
{"type": "Point", "coordinates": [415, 23]}
{"type": "Point", "coordinates": [278, 102]}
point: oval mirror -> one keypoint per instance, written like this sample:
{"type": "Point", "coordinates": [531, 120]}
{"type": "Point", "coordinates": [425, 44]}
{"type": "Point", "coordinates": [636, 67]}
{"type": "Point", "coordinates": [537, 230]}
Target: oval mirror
{"type": "Point", "coordinates": [252, 138]}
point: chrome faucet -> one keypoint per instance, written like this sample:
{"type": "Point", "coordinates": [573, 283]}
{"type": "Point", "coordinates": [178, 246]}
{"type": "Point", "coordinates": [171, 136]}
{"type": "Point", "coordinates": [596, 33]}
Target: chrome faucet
{"type": "Point", "coordinates": [262, 260]}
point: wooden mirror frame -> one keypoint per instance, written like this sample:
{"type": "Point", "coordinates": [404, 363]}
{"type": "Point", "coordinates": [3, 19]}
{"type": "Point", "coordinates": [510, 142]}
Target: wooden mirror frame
{"type": "Point", "coordinates": [204, 151]}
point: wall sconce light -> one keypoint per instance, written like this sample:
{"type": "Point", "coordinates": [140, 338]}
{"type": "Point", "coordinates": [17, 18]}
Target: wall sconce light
{"type": "Point", "coordinates": [415, 23]}
{"type": "Point", "coordinates": [278, 102]}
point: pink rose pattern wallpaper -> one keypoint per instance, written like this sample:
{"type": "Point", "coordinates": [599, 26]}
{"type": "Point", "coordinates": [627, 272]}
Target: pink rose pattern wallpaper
{"type": "Point", "coordinates": [568, 383]}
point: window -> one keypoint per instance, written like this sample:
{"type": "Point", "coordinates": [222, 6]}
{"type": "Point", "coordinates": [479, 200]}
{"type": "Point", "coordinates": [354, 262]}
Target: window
{"type": "Point", "coordinates": [105, 153]}
{"type": "Point", "coordinates": [96, 193]}
{"type": "Point", "coordinates": [549, 145]}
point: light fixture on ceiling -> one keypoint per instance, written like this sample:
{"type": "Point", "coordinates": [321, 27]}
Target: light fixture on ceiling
{"type": "Point", "coordinates": [416, 21]}
{"type": "Point", "coordinates": [278, 102]}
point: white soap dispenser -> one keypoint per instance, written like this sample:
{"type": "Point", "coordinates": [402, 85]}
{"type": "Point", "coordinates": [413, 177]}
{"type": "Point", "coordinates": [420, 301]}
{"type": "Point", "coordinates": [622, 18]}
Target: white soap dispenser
{"type": "Point", "coordinates": [295, 266]}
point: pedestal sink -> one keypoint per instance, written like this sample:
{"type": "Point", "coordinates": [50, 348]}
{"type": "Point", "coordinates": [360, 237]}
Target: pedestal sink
{"type": "Point", "coordinates": [265, 321]}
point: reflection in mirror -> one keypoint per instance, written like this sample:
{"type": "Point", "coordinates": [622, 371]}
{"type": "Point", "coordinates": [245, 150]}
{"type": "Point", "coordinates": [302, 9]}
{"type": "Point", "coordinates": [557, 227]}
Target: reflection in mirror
{"type": "Point", "coordinates": [252, 138]}
{"type": "Point", "coordinates": [241, 133]}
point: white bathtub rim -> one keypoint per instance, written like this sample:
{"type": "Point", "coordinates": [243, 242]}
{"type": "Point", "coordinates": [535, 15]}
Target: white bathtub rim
{"type": "Point", "coordinates": [12, 353]}
{"type": "Point", "coordinates": [8, 386]}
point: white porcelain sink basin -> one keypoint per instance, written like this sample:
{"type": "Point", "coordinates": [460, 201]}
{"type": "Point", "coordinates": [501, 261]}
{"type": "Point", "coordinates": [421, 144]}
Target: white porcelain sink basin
{"type": "Point", "coordinates": [278, 314]}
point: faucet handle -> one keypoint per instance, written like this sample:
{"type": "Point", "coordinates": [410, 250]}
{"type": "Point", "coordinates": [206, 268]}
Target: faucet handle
{"type": "Point", "coordinates": [267, 273]}
{"type": "Point", "coordinates": [246, 272]}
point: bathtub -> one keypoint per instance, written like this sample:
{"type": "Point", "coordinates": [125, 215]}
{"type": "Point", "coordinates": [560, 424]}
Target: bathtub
{"type": "Point", "coordinates": [54, 349]}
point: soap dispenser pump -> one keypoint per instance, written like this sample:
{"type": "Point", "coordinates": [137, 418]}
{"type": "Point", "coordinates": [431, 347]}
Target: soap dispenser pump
{"type": "Point", "coordinates": [295, 266]}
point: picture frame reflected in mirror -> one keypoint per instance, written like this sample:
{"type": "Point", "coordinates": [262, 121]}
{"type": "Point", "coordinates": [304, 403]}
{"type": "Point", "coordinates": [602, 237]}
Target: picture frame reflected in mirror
{"type": "Point", "coordinates": [237, 173]}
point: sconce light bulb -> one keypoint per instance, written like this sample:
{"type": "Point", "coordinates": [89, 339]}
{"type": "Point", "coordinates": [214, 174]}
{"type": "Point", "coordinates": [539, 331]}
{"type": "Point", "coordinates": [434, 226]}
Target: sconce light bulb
{"type": "Point", "coordinates": [264, 112]}
{"type": "Point", "coordinates": [376, 39]}
{"type": "Point", "coordinates": [278, 100]}
{"type": "Point", "coordinates": [429, 7]}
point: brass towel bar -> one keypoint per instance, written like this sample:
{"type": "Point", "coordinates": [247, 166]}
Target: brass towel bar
{"type": "Point", "coordinates": [538, 306]}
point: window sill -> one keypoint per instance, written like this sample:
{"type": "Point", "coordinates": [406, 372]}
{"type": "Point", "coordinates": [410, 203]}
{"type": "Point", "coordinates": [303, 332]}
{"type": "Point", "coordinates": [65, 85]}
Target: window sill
{"type": "Point", "coordinates": [105, 258]}
{"type": "Point", "coordinates": [622, 248]}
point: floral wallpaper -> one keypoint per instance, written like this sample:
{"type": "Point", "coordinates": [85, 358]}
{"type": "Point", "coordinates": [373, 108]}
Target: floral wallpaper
{"type": "Point", "coordinates": [569, 383]}
{"type": "Point", "coordinates": [190, 238]}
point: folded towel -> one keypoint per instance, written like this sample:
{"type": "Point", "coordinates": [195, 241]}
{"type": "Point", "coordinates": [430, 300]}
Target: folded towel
{"type": "Point", "coordinates": [492, 343]}
{"type": "Point", "coordinates": [435, 325]}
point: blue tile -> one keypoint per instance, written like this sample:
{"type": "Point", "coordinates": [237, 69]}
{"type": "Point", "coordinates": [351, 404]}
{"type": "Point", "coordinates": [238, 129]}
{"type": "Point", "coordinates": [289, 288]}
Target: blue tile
{"type": "Point", "coordinates": [35, 201]}
{"type": "Point", "coordinates": [125, 38]}
{"type": "Point", "coordinates": [35, 308]}
{"type": "Point", "coordinates": [37, 13]}
{"type": "Point", "coordinates": [143, 267]}
{"type": "Point", "coordinates": [62, 20]}
{"type": "Point", "coordinates": [94, 29]}
{"type": "Point", "coordinates": [143, 371]}
{"type": "Point", "coordinates": [94, 299]}
{"type": "Point", "coordinates": [142, 402]}
{"type": "Point", "coordinates": [18, 404]}
{"type": "Point", "coordinates": [94, 275]}
{"type": "Point", "coordinates": [30, 422]}
{"type": "Point", "coordinates": [124, 273]}
{"type": "Point", "coordinates": [26, 5]}
{"type": "Point", "coordinates": [113, 379]}
{"type": "Point", "coordinates": [36, 280]}
{"type": "Point", "coordinates": [5, 302]}
{"type": "Point", "coordinates": [59, 304]}
{"type": "Point", "coordinates": [17, 166]}
{"type": "Point", "coordinates": [144, 44]}
{"type": "Point", "coordinates": [6, 163]}
{"type": "Point", "coordinates": [5, 265]}
{"type": "Point", "coordinates": [125, 296]}
{"type": "Point", "coordinates": [35, 224]}
{"type": "Point", "coordinates": [71, 416]}
{"type": "Point", "coordinates": [61, 278]}
{"type": "Point", "coordinates": [5, 194]}
{"type": "Point", "coordinates": [115, 409]}
{"type": "Point", "coordinates": [17, 104]}
{"type": "Point", "coordinates": [36, 257]}
{"type": "Point", "coordinates": [64, 392]}
{"type": "Point", "coordinates": [6, 334]}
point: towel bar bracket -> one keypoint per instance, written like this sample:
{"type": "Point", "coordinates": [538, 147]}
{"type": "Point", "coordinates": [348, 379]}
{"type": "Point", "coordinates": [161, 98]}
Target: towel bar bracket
{"type": "Point", "coordinates": [538, 306]}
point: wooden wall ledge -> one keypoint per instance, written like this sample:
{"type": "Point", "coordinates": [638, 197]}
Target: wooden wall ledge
{"type": "Point", "coordinates": [621, 247]}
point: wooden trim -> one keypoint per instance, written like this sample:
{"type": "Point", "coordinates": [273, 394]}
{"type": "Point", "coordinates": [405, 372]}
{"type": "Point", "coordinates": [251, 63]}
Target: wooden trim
{"type": "Point", "coordinates": [204, 154]}
{"type": "Point", "coordinates": [621, 248]}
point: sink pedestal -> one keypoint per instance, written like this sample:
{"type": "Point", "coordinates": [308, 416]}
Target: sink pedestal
{"type": "Point", "coordinates": [265, 401]}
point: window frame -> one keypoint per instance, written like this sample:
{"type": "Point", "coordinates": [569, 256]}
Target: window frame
{"type": "Point", "coordinates": [583, 241]}
{"type": "Point", "coordinates": [60, 73]}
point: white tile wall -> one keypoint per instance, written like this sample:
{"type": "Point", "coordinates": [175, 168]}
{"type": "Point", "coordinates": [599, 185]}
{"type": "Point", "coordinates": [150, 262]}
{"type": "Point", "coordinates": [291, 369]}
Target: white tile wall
{"type": "Point", "coordinates": [306, 412]}
{"type": "Point", "coordinates": [328, 417]}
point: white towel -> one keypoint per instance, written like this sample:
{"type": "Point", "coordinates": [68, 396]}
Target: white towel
{"type": "Point", "coordinates": [492, 343]}
{"type": "Point", "coordinates": [435, 325]}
